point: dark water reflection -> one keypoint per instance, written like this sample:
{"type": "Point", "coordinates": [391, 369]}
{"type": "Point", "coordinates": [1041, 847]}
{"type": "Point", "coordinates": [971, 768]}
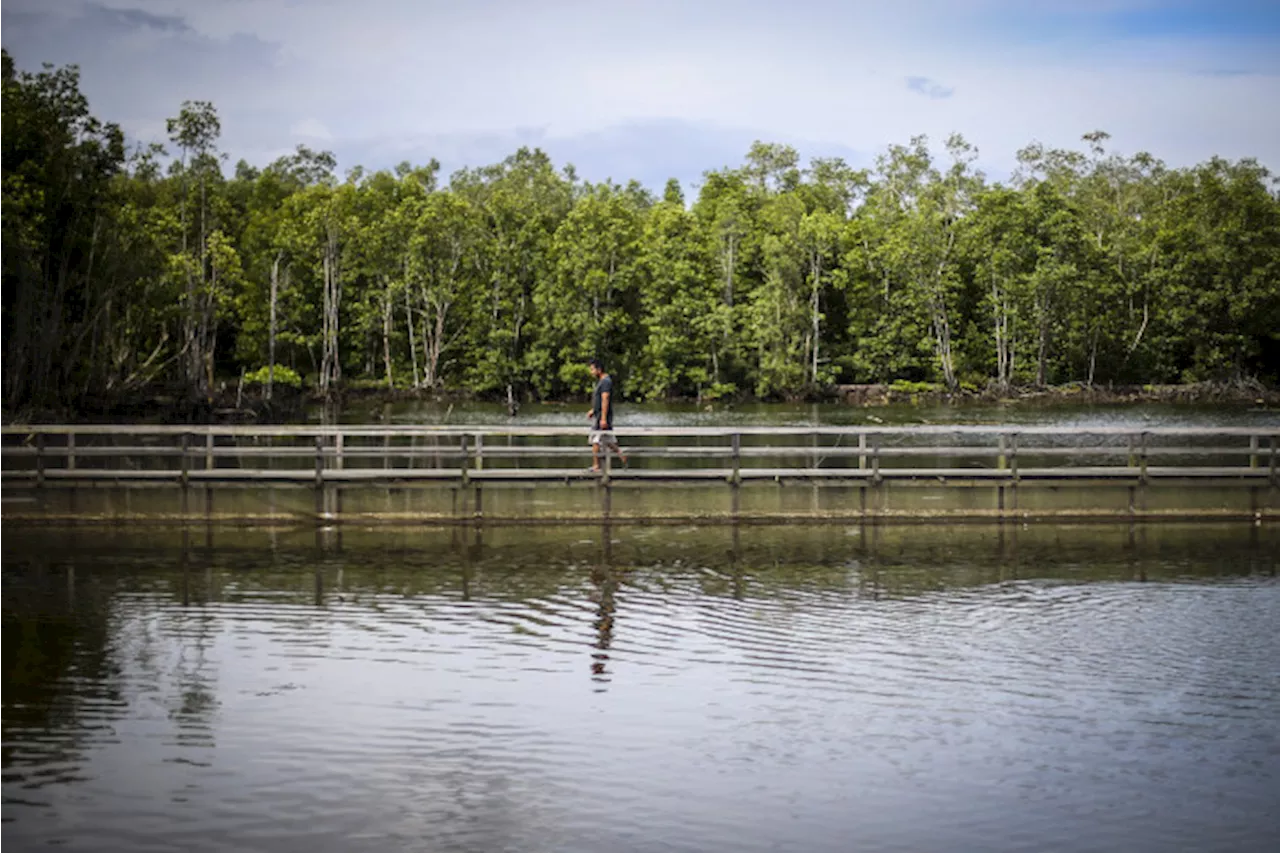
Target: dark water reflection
{"type": "Point", "coordinates": [642, 688]}
{"type": "Point", "coordinates": [1021, 413]}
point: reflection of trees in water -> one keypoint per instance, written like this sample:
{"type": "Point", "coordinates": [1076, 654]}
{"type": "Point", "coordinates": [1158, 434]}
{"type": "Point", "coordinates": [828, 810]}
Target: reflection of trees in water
{"type": "Point", "coordinates": [85, 645]}
{"type": "Point", "coordinates": [91, 633]}
{"type": "Point", "coordinates": [60, 680]}
{"type": "Point", "coordinates": [194, 701]}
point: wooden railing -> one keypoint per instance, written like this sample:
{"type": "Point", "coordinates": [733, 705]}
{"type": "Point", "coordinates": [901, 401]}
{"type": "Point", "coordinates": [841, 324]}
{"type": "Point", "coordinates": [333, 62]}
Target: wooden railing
{"type": "Point", "coordinates": [462, 454]}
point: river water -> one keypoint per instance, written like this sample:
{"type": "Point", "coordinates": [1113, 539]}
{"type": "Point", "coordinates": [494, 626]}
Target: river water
{"type": "Point", "coordinates": [825, 687]}
{"type": "Point", "coordinates": [1129, 416]}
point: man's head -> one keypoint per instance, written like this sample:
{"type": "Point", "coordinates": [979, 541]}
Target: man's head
{"type": "Point", "coordinates": [596, 368]}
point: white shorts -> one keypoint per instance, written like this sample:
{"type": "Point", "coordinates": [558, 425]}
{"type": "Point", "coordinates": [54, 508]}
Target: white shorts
{"type": "Point", "coordinates": [603, 436]}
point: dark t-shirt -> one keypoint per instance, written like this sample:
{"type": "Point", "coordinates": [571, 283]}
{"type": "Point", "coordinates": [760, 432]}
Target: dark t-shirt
{"type": "Point", "coordinates": [604, 386]}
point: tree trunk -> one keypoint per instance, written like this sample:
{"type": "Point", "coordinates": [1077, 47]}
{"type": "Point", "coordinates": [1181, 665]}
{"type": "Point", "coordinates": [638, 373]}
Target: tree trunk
{"type": "Point", "coordinates": [209, 327]}
{"type": "Point", "coordinates": [271, 330]}
{"type": "Point", "coordinates": [204, 356]}
{"type": "Point", "coordinates": [1000, 308]}
{"type": "Point", "coordinates": [728, 272]}
{"type": "Point", "coordinates": [1093, 356]}
{"type": "Point", "coordinates": [413, 342]}
{"type": "Point", "coordinates": [941, 323]}
{"type": "Point", "coordinates": [942, 344]}
{"type": "Point", "coordinates": [18, 343]}
{"type": "Point", "coordinates": [386, 333]}
{"type": "Point", "coordinates": [434, 340]}
{"type": "Point", "coordinates": [814, 306]}
{"type": "Point", "coordinates": [1042, 356]}
{"type": "Point", "coordinates": [330, 364]}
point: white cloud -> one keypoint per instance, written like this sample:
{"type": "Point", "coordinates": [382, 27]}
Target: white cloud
{"type": "Point", "coordinates": [310, 129]}
{"type": "Point", "coordinates": [385, 76]}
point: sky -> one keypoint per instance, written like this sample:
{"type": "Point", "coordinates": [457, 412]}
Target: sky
{"type": "Point", "coordinates": [671, 88]}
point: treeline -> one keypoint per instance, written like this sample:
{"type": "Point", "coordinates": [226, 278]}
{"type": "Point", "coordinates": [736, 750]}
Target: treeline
{"type": "Point", "coordinates": [121, 272]}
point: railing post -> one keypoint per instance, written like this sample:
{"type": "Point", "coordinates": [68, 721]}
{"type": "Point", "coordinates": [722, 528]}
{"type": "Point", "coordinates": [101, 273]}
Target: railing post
{"type": "Point", "coordinates": [208, 451]}
{"type": "Point", "coordinates": [1000, 460]}
{"type": "Point", "coordinates": [862, 451]}
{"type": "Point", "coordinates": [875, 457]}
{"type": "Point", "coordinates": [184, 477]}
{"type": "Point", "coordinates": [337, 443]}
{"type": "Point", "coordinates": [1253, 451]}
{"type": "Point", "coordinates": [479, 451]}
{"type": "Point", "coordinates": [39, 459]}
{"type": "Point", "coordinates": [320, 502]}
{"type": "Point", "coordinates": [1273, 460]}
{"type": "Point", "coordinates": [1013, 456]}
{"type": "Point", "coordinates": [466, 458]}
{"type": "Point", "coordinates": [735, 443]}
{"type": "Point", "coordinates": [1142, 457]}
{"type": "Point", "coordinates": [71, 451]}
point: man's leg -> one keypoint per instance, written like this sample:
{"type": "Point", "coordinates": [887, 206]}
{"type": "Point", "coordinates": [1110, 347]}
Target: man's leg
{"type": "Point", "coordinates": [595, 455]}
{"type": "Point", "coordinates": [617, 448]}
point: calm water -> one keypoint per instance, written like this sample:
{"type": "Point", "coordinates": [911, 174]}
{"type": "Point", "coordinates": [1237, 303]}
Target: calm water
{"type": "Point", "coordinates": [810, 414]}
{"type": "Point", "coordinates": [642, 688]}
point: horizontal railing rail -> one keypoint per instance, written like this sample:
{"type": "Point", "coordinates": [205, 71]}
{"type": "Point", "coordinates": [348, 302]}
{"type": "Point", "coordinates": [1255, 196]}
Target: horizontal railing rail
{"type": "Point", "coordinates": [311, 430]}
{"type": "Point", "coordinates": [355, 453]}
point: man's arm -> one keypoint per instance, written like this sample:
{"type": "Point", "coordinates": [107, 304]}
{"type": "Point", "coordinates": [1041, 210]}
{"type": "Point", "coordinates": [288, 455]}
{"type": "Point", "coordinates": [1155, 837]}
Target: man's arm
{"type": "Point", "coordinates": [604, 410]}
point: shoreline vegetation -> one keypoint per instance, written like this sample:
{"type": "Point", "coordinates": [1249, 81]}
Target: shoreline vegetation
{"type": "Point", "coordinates": [139, 278]}
{"type": "Point", "coordinates": [230, 404]}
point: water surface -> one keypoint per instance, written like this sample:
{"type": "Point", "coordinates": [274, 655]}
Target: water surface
{"type": "Point", "coordinates": [1057, 413]}
{"type": "Point", "coordinates": [642, 688]}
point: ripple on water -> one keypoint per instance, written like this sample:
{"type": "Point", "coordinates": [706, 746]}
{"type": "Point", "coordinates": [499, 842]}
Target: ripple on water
{"type": "Point", "coordinates": [392, 700]}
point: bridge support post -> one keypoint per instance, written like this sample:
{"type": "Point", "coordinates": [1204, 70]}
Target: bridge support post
{"type": "Point", "coordinates": [877, 481]}
{"type": "Point", "coordinates": [320, 507]}
{"type": "Point", "coordinates": [184, 478]}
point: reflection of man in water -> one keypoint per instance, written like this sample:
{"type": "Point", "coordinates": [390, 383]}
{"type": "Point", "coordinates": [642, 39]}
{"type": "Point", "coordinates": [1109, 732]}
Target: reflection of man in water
{"type": "Point", "coordinates": [604, 578]}
{"type": "Point", "coordinates": [601, 415]}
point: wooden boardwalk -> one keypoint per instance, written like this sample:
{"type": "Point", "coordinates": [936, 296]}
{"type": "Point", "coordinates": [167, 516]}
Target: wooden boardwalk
{"type": "Point", "coordinates": [333, 459]}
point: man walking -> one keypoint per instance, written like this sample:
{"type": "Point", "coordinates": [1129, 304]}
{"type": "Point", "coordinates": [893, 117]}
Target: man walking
{"type": "Point", "coordinates": [601, 415]}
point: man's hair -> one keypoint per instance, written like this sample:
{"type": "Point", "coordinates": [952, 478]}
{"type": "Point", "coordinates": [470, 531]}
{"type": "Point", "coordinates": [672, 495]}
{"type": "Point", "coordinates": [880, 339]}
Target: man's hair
{"type": "Point", "coordinates": [596, 363]}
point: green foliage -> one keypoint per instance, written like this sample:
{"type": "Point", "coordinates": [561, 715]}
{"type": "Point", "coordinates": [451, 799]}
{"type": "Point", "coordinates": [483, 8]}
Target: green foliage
{"type": "Point", "coordinates": [905, 386]}
{"type": "Point", "coordinates": [776, 279]}
{"type": "Point", "coordinates": [283, 376]}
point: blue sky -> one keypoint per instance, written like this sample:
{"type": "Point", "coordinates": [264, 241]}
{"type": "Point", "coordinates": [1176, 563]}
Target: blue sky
{"type": "Point", "coordinates": [649, 90]}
